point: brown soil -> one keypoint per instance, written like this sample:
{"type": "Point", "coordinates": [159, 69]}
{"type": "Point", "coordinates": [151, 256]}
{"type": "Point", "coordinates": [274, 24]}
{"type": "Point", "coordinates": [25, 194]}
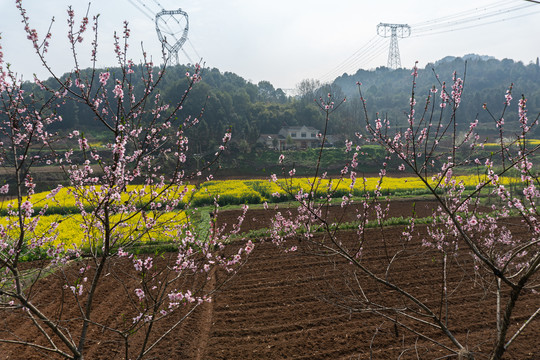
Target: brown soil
{"type": "Point", "coordinates": [300, 305]}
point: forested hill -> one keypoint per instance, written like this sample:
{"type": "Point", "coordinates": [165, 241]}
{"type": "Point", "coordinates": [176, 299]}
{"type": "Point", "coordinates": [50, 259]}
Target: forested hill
{"type": "Point", "coordinates": [486, 81]}
{"type": "Point", "coordinates": [254, 109]}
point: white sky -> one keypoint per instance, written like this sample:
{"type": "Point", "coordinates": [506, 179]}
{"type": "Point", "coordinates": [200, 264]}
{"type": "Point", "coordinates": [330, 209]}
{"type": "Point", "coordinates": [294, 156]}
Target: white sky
{"type": "Point", "coordinates": [282, 41]}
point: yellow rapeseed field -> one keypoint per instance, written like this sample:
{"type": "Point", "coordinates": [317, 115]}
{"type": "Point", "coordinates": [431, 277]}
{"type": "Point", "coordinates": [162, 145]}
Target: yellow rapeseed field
{"type": "Point", "coordinates": [131, 227]}
{"type": "Point", "coordinates": [495, 144]}
{"type": "Point", "coordinates": [251, 191]}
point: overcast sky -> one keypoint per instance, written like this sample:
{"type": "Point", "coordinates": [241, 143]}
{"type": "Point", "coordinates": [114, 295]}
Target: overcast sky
{"type": "Point", "coordinates": [285, 41]}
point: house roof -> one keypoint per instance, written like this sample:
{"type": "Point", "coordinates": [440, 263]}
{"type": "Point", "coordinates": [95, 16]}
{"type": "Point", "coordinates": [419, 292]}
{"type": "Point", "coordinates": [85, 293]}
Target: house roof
{"type": "Point", "coordinates": [299, 128]}
{"type": "Point", "coordinates": [271, 137]}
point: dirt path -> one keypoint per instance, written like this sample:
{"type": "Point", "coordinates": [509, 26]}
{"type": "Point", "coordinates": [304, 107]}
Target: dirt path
{"type": "Point", "coordinates": [206, 321]}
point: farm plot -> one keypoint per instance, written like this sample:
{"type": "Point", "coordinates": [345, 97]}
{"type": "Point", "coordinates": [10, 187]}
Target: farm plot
{"type": "Point", "coordinates": [300, 305]}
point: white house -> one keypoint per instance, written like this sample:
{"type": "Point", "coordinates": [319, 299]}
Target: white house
{"type": "Point", "coordinates": [299, 137]}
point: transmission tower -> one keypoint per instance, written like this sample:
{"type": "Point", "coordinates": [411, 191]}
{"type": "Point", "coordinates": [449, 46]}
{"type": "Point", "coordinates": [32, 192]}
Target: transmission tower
{"type": "Point", "coordinates": [394, 31]}
{"type": "Point", "coordinates": [172, 28]}
{"type": "Point", "coordinates": [170, 23]}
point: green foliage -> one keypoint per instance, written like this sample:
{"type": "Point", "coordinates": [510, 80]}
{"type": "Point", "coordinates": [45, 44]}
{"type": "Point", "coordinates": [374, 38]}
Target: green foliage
{"type": "Point", "coordinates": [254, 109]}
{"type": "Point", "coordinates": [388, 91]}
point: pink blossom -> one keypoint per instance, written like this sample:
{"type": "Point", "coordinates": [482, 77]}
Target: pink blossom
{"type": "Point", "coordinates": [508, 96]}
{"type": "Point", "coordinates": [226, 137]}
{"type": "Point", "coordinates": [138, 264]}
{"type": "Point", "coordinates": [27, 208]}
{"type": "Point", "coordinates": [118, 92]}
{"type": "Point", "coordinates": [140, 294]}
{"type": "Point", "coordinates": [348, 145]}
{"type": "Point", "coordinates": [249, 247]}
{"type": "Point", "coordinates": [104, 77]}
{"type": "Point", "coordinates": [137, 318]}
{"type": "Point", "coordinates": [79, 84]}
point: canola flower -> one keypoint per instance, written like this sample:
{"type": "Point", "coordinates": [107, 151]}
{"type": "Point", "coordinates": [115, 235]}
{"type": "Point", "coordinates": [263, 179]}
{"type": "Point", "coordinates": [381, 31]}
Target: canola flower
{"type": "Point", "coordinates": [65, 226]}
{"type": "Point", "coordinates": [64, 201]}
{"type": "Point", "coordinates": [68, 231]}
{"type": "Point", "coordinates": [236, 192]}
{"type": "Point", "coordinates": [229, 192]}
{"type": "Point", "coordinates": [529, 142]}
{"type": "Point", "coordinates": [389, 185]}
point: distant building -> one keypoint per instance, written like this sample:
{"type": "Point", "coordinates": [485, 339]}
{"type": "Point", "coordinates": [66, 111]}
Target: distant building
{"type": "Point", "coordinates": [272, 141]}
{"type": "Point", "coordinates": [292, 137]}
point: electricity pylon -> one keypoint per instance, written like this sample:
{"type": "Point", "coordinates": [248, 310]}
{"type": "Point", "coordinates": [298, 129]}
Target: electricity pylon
{"type": "Point", "coordinates": [168, 22]}
{"type": "Point", "coordinates": [393, 31]}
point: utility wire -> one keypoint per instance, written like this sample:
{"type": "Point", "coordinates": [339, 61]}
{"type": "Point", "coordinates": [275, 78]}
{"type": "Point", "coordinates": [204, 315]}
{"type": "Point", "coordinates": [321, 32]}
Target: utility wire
{"type": "Point", "coordinates": [379, 51]}
{"type": "Point", "coordinates": [459, 14]}
{"type": "Point", "coordinates": [141, 10]}
{"type": "Point", "coordinates": [185, 53]}
{"type": "Point", "coordinates": [477, 18]}
{"type": "Point", "coordinates": [158, 4]}
{"type": "Point", "coordinates": [475, 25]}
{"type": "Point", "coordinates": [147, 9]}
{"type": "Point", "coordinates": [193, 47]}
{"type": "Point", "coordinates": [377, 48]}
{"type": "Point", "coordinates": [361, 57]}
{"type": "Point", "coordinates": [455, 22]}
{"type": "Point", "coordinates": [345, 63]}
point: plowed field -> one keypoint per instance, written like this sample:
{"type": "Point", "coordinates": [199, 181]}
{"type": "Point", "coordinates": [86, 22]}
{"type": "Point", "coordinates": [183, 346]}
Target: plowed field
{"type": "Point", "coordinates": [301, 305]}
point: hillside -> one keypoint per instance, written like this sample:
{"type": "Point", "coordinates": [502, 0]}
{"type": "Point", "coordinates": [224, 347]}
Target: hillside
{"type": "Point", "coordinates": [250, 109]}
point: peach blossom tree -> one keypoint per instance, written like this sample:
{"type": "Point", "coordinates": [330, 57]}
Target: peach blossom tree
{"type": "Point", "coordinates": [124, 197]}
{"type": "Point", "coordinates": [487, 236]}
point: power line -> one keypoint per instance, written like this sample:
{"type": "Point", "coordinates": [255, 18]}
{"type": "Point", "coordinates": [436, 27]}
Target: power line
{"type": "Point", "coordinates": [148, 10]}
{"type": "Point", "coordinates": [179, 37]}
{"type": "Point", "coordinates": [158, 4]}
{"type": "Point", "coordinates": [345, 63]}
{"type": "Point", "coordinates": [457, 15]}
{"type": "Point", "coordinates": [379, 51]}
{"type": "Point", "coordinates": [360, 61]}
{"type": "Point", "coordinates": [185, 53]}
{"type": "Point", "coordinates": [141, 10]}
{"type": "Point", "coordinates": [362, 56]}
{"type": "Point", "coordinates": [193, 48]}
{"type": "Point", "coordinates": [479, 16]}
{"type": "Point", "coordinates": [379, 48]}
{"type": "Point", "coordinates": [475, 25]}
